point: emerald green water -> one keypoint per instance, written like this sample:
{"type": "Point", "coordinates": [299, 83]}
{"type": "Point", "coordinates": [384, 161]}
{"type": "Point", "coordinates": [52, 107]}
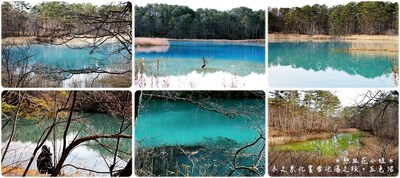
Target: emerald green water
{"type": "Point", "coordinates": [87, 155]}
{"type": "Point", "coordinates": [163, 123]}
{"type": "Point", "coordinates": [334, 146]}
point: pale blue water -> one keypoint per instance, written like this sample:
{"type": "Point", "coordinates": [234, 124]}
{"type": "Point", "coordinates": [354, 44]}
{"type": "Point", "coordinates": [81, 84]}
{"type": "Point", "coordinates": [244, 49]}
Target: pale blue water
{"type": "Point", "coordinates": [183, 57]}
{"type": "Point", "coordinates": [68, 58]}
{"type": "Point", "coordinates": [166, 123]}
{"type": "Point", "coordinates": [326, 64]}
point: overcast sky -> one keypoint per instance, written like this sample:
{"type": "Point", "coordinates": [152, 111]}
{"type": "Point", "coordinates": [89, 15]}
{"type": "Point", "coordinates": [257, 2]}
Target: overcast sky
{"type": "Point", "coordinates": [350, 97]}
{"type": "Point", "coordinates": [211, 4]}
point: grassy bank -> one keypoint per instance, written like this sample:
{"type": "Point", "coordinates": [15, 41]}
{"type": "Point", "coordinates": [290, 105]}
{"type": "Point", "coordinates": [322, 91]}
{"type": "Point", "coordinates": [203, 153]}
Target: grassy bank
{"type": "Point", "coordinates": [276, 37]}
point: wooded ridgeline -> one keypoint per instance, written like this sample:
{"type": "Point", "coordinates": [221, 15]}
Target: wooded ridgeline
{"type": "Point", "coordinates": [369, 18]}
{"type": "Point", "coordinates": [57, 18]}
{"type": "Point", "coordinates": [175, 21]}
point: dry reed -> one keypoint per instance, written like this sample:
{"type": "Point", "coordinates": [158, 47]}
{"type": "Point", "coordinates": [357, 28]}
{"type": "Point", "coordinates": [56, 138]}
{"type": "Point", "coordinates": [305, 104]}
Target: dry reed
{"type": "Point", "coordinates": [143, 42]}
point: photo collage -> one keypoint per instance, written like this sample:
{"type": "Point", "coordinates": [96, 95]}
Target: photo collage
{"type": "Point", "coordinates": [185, 88]}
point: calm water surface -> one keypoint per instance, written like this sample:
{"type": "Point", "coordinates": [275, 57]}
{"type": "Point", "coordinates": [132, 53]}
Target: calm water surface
{"type": "Point", "coordinates": [163, 123]}
{"type": "Point", "coordinates": [183, 57]}
{"type": "Point", "coordinates": [337, 145]}
{"type": "Point", "coordinates": [87, 155]}
{"type": "Point", "coordinates": [328, 64]}
{"type": "Point", "coordinates": [216, 137]}
{"type": "Point", "coordinates": [68, 58]}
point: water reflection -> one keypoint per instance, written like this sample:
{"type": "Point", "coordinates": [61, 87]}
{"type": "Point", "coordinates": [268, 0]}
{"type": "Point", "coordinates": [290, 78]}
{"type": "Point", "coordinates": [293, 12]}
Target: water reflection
{"type": "Point", "coordinates": [150, 49]}
{"type": "Point", "coordinates": [87, 155]}
{"type": "Point", "coordinates": [67, 58]}
{"type": "Point", "coordinates": [337, 57]}
{"type": "Point", "coordinates": [184, 57]}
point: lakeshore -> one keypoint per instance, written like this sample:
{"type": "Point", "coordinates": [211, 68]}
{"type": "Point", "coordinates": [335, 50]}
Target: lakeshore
{"type": "Point", "coordinates": [76, 40]}
{"type": "Point", "coordinates": [281, 37]}
{"type": "Point", "coordinates": [146, 41]}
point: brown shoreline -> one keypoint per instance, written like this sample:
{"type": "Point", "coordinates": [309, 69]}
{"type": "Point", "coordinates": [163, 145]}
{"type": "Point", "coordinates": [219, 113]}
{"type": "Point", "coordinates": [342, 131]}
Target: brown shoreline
{"type": "Point", "coordinates": [277, 37]}
{"type": "Point", "coordinates": [277, 137]}
{"type": "Point", "coordinates": [147, 41]}
{"type": "Point", "coordinates": [28, 40]}
{"type": "Point", "coordinates": [224, 40]}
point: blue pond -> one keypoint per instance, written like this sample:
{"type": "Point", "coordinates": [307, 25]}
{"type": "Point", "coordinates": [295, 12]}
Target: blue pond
{"type": "Point", "coordinates": [64, 57]}
{"type": "Point", "coordinates": [329, 64]}
{"type": "Point", "coordinates": [166, 123]}
{"type": "Point", "coordinates": [183, 57]}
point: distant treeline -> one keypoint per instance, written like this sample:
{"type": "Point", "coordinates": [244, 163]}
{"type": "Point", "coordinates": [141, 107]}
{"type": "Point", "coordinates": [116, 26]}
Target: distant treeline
{"type": "Point", "coordinates": [370, 18]}
{"type": "Point", "coordinates": [52, 18]}
{"type": "Point", "coordinates": [174, 21]}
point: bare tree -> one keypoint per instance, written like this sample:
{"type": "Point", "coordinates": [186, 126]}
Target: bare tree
{"type": "Point", "coordinates": [20, 101]}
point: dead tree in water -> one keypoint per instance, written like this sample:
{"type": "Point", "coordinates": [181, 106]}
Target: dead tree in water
{"type": "Point", "coordinates": [204, 63]}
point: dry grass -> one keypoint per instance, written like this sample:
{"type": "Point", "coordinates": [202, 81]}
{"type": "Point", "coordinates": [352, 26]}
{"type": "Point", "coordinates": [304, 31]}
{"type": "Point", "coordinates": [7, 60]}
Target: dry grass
{"type": "Point", "coordinates": [117, 81]}
{"type": "Point", "coordinates": [384, 46]}
{"type": "Point", "coordinates": [276, 137]}
{"type": "Point", "coordinates": [372, 148]}
{"type": "Point", "coordinates": [76, 41]}
{"type": "Point", "coordinates": [143, 42]}
{"type": "Point", "coordinates": [375, 147]}
{"type": "Point", "coordinates": [273, 141]}
{"type": "Point", "coordinates": [225, 40]}
{"type": "Point", "coordinates": [276, 37]}
{"type": "Point", "coordinates": [17, 171]}
{"type": "Point", "coordinates": [19, 40]}
{"type": "Point", "coordinates": [348, 130]}
{"type": "Point", "coordinates": [371, 37]}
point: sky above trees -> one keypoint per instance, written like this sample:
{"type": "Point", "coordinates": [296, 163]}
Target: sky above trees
{"type": "Point", "coordinates": [221, 5]}
{"type": "Point", "coordinates": [297, 3]}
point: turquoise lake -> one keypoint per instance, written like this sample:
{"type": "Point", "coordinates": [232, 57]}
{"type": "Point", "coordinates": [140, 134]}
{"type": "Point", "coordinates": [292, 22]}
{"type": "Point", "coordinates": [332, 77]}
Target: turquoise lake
{"type": "Point", "coordinates": [165, 125]}
{"type": "Point", "coordinates": [169, 123]}
{"type": "Point", "coordinates": [328, 64]}
{"type": "Point", "coordinates": [183, 57]}
{"type": "Point", "coordinates": [87, 155]}
{"type": "Point", "coordinates": [68, 58]}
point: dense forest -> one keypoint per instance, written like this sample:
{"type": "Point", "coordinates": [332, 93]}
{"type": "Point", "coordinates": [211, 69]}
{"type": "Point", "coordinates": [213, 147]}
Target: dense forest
{"type": "Point", "coordinates": [175, 21]}
{"type": "Point", "coordinates": [59, 19]}
{"type": "Point", "coordinates": [369, 18]}
{"type": "Point", "coordinates": [79, 26]}
{"type": "Point", "coordinates": [312, 128]}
